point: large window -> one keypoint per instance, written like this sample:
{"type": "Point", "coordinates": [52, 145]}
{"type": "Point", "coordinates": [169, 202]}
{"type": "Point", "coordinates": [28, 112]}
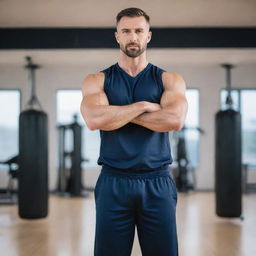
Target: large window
{"type": "Point", "coordinates": [68, 104]}
{"type": "Point", "coordinates": [191, 132]}
{"type": "Point", "coordinates": [245, 102]}
{"type": "Point", "coordinates": [9, 124]}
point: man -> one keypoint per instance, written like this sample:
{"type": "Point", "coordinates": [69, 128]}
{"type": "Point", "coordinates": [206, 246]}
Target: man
{"type": "Point", "coordinates": [134, 104]}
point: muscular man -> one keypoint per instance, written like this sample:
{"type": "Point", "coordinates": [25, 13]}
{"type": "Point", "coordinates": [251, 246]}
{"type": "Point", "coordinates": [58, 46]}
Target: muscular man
{"type": "Point", "coordinates": [134, 104]}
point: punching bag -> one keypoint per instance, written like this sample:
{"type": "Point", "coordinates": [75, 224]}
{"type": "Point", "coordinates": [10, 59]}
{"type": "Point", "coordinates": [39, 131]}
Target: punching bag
{"type": "Point", "coordinates": [228, 158]}
{"type": "Point", "coordinates": [33, 156]}
{"type": "Point", "coordinates": [228, 174]}
{"type": "Point", "coordinates": [33, 161]}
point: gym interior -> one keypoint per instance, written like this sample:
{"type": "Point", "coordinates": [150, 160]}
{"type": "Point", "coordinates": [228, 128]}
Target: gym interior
{"type": "Point", "coordinates": [46, 50]}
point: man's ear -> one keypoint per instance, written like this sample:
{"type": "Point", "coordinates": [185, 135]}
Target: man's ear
{"type": "Point", "coordinates": [116, 36]}
{"type": "Point", "coordinates": [149, 36]}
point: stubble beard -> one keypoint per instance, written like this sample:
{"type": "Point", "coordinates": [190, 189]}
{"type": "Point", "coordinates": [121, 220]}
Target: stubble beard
{"type": "Point", "coordinates": [133, 52]}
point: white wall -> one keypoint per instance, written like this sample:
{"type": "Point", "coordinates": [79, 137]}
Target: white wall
{"type": "Point", "coordinates": [208, 79]}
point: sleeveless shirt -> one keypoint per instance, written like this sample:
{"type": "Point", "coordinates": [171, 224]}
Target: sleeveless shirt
{"type": "Point", "coordinates": [132, 146]}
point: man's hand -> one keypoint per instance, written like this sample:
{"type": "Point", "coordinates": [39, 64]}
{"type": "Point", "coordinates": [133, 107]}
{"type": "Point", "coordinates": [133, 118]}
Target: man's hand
{"type": "Point", "coordinates": [152, 107]}
{"type": "Point", "coordinates": [173, 106]}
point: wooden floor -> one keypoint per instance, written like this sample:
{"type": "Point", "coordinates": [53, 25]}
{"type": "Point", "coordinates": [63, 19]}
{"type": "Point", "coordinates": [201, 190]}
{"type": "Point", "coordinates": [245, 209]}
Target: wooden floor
{"type": "Point", "coordinates": [69, 229]}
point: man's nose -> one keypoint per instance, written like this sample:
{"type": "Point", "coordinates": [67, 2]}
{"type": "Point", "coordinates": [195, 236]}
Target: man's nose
{"type": "Point", "coordinates": [133, 37]}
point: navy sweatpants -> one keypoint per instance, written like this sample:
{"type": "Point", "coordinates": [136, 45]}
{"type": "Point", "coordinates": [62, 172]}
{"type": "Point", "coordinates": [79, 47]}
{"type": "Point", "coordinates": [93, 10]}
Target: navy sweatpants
{"type": "Point", "coordinates": [145, 200]}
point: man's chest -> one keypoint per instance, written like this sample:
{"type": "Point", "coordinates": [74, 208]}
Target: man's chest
{"type": "Point", "coordinates": [123, 90]}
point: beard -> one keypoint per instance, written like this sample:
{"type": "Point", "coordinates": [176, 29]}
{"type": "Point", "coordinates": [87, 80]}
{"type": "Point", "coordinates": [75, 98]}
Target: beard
{"type": "Point", "coordinates": [133, 52]}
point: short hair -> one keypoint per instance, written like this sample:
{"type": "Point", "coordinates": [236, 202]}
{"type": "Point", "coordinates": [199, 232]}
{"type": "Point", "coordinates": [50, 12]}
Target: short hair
{"type": "Point", "coordinates": [132, 12]}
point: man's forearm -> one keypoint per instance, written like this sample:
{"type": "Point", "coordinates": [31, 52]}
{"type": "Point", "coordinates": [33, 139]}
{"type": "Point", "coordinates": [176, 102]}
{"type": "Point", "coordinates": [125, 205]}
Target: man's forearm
{"type": "Point", "coordinates": [159, 121]}
{"type": "Point", "coordinates": [112, 117]}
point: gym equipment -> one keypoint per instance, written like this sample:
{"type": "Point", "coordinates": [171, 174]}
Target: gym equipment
{"type": "Point", "coordinates": [184, 170]}
{"type": "Point", "coordinates": [9, 197]}
{"type": "Point", "coordinates": [228, 164]}
{"type": "Point", "coordinates": [70, 172]}
{"type": "Point", "coordinates": [247, 186]}
{"type": "Point", "coordinates": [33, 155]}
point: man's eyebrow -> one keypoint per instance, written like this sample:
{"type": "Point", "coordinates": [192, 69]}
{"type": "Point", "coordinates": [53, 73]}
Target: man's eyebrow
{"type": "Point", "coordinates": [130, 29]}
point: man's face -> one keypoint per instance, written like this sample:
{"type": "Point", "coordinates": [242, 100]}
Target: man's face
{"type": "Point", "coordinates": [133, 35]}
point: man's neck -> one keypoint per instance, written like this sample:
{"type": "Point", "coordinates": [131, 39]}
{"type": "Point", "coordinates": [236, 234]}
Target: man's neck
{"type": "Point", "coordinates": [133, 66]}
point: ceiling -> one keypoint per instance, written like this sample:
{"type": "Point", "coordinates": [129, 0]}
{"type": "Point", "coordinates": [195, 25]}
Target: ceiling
{"type": "Point", "coordinates": [101, 13]}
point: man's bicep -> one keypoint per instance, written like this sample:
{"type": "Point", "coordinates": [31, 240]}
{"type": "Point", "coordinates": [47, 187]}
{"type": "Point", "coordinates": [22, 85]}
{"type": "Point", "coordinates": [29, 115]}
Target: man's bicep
{"type": "Point", "coordinates": [93, 92]}
{"type": "Point", "coordinates": [171, 98]}
{"type": "Point", "coordinates": [95, 99]}
{"type": "Point", "coordinates": [174, 89]}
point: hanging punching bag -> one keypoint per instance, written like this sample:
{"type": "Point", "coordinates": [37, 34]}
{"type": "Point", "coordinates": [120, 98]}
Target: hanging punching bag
{"type": "Point", "coordinates": [33, 157]}
{"type": "Point", "coordinates": [228, 165]}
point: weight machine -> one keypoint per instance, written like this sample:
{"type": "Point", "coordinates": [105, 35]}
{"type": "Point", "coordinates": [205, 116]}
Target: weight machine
{"type": "Point", "coordinates": [69, 169]}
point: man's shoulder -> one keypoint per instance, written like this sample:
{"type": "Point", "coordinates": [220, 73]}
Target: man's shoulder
{"type": "Point", "coordinates": [172, 79]}
{"type": "Point", "coordinates": [98, 77]}
{"type": "Point", "coordinates": [172, 75]}
{"type": "Point", "coordinates": [95, 76]}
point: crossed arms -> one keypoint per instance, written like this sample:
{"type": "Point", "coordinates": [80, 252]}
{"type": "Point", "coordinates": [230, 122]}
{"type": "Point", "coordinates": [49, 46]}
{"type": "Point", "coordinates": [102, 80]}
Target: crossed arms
{"type": "Point", "coordinates": [169, 115]}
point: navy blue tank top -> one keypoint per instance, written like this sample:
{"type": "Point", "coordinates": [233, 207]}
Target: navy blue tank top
{"type": "Point", "coordinates": [132, 146]}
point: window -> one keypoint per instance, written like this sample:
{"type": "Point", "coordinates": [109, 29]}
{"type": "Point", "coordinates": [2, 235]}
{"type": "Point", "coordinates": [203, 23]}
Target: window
{"type": "Point", "coordinates": [9, 124]}
{"type": "Point", "coordinates": [235, 98]}
{"type": "Point", "coordinates": [191, 132]}
{"type": "Point", "coordinates": [68, 104]}
{"type": "Point", "coordinates": [245, 102]}
{"type": "Point", "coordinates": [192, 123]}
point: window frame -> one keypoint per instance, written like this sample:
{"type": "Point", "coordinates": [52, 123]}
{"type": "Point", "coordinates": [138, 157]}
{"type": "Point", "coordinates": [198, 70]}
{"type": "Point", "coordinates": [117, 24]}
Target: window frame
{"type": "Point", "coordinates": [198, 160]}
{"type": "Point", "coordinates": [239, 89]}
{"type": "Point", "coordinates": [199, 122]}
{"type": "Point", "coordinates": [20, 110]}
